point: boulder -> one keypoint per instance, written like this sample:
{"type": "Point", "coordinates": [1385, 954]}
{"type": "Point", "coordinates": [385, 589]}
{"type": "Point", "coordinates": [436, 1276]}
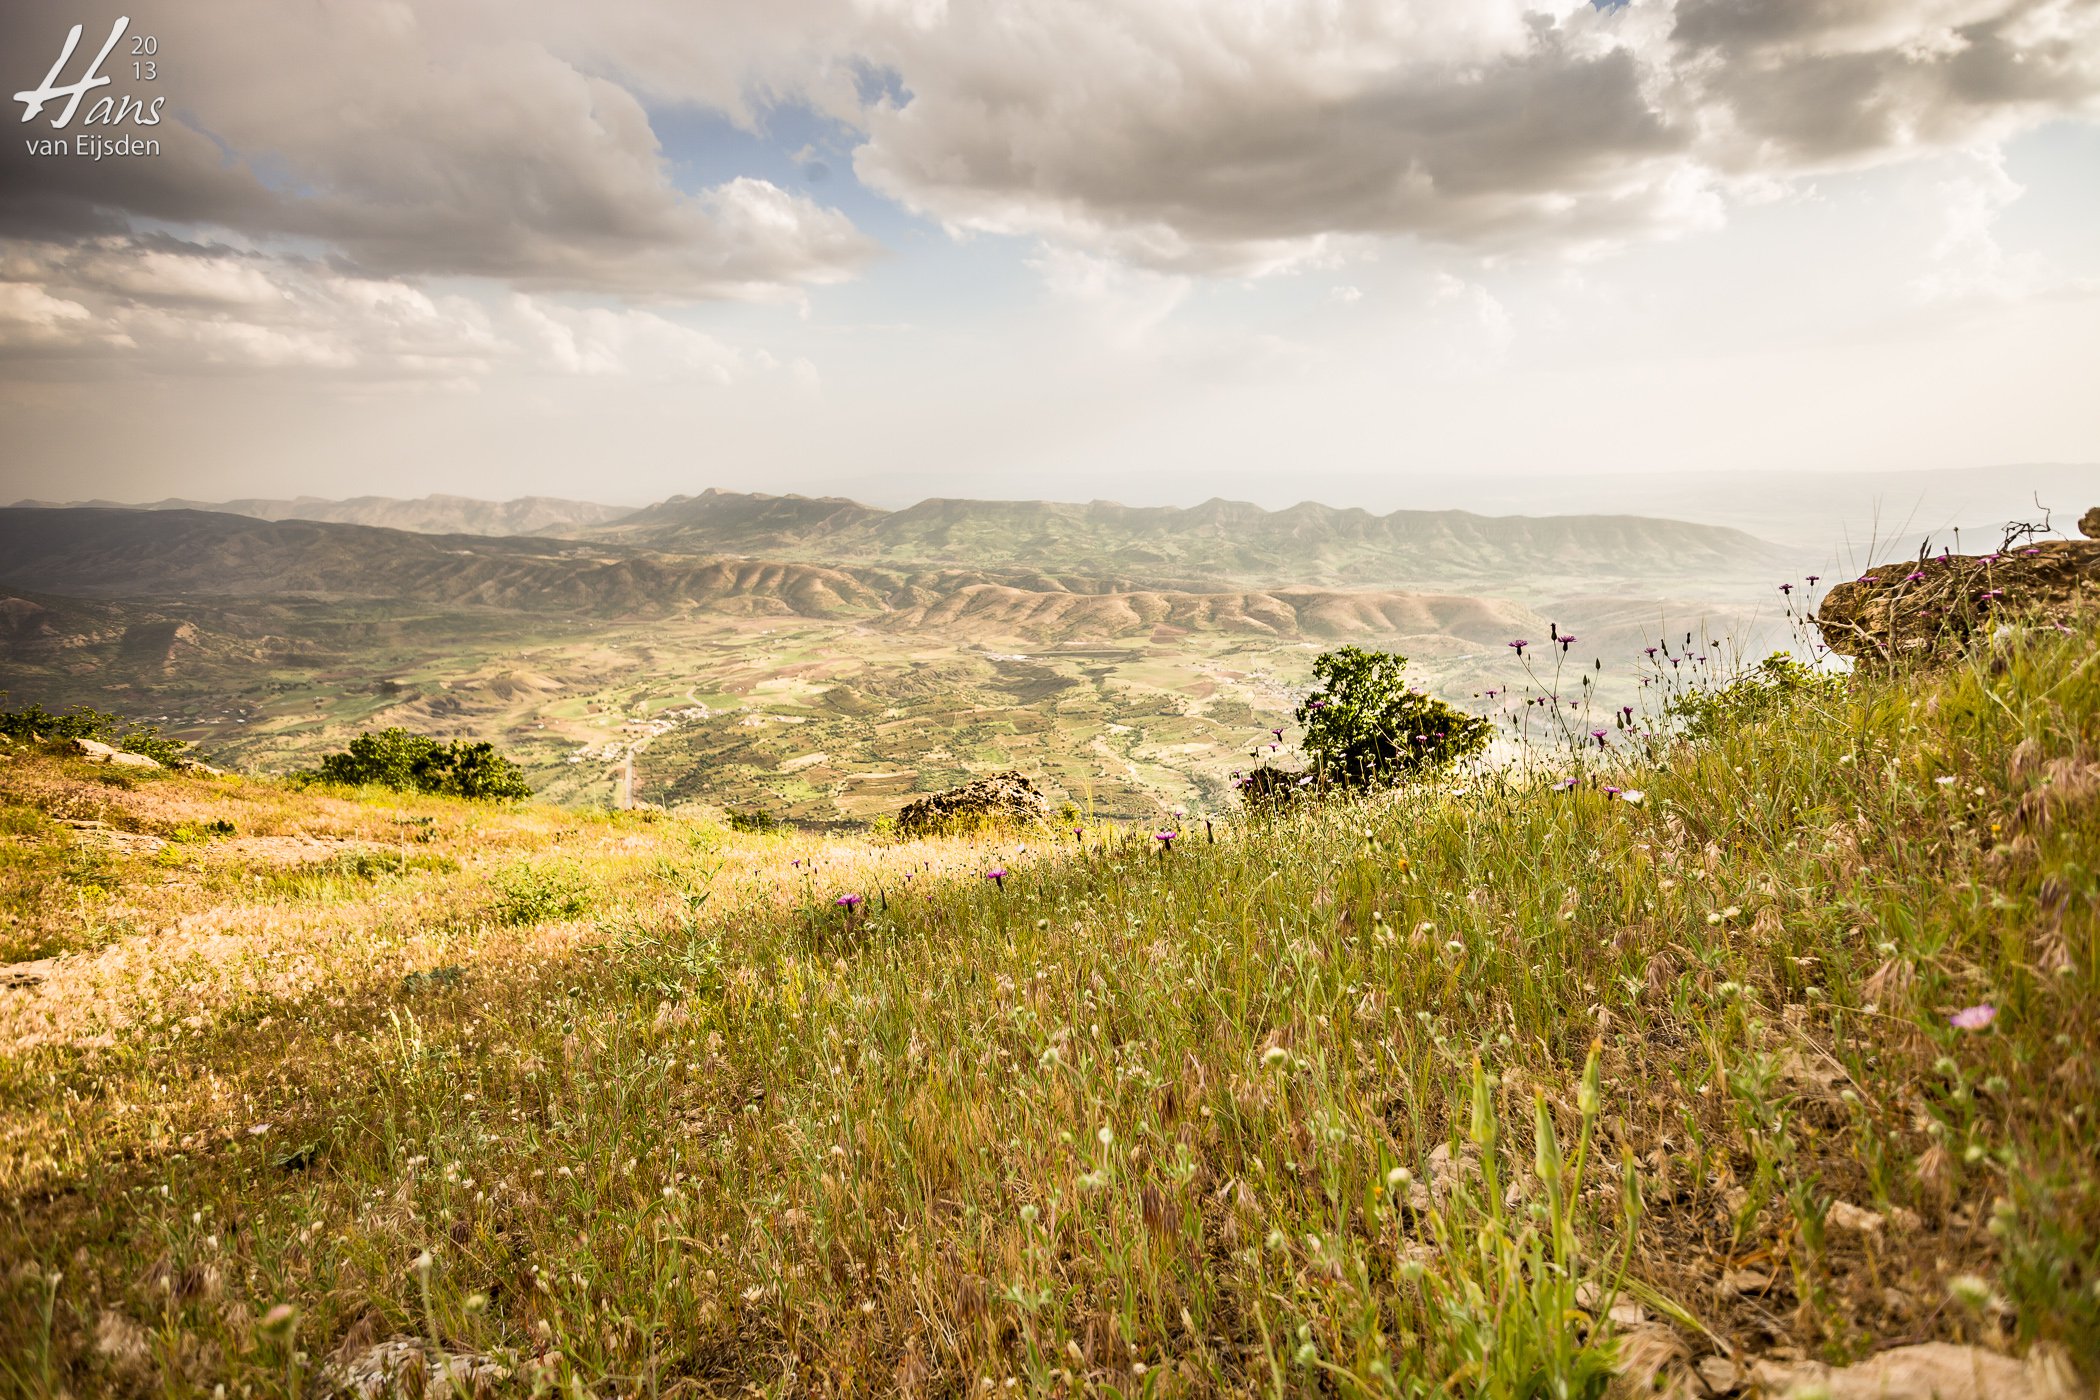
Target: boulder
{"type": "Point", "coordinates": [1002, 799]}
{"type": "Point", "coordinates": [95, 751]}
{"type": "Point", "coordinates": [1925, 1371]}
{"type": "Point", "coordinates": [1923, 608]}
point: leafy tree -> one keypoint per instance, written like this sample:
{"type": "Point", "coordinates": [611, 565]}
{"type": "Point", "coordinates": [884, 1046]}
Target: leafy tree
{"type": "Point", "coordinates": [405, 762]}
{"type": "Point", "coordinates": [83, 723]}
{"type": "Point", "coordinates": [1366, 727]}
{"type": "Point", "coordinates": [1772, 685]}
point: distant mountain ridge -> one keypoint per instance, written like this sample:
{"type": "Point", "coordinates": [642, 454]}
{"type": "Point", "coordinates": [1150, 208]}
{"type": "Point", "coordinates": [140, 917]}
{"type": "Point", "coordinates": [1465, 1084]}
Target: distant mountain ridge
{"type": "Point", "coordinates": [429, 515]}
{"type": "Point", "coordinates": [164, 557]}
{"type": "Point", "coordinates": [1219, 539]}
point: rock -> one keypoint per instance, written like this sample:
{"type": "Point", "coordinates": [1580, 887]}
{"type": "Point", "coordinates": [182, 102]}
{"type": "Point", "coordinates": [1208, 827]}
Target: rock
{"type": "Point", "coordinates": [1843, 1215]}
{"type": "Point", "coordinates": [197, 767]}
{"type": "Point", "coordinates": [95, 751]}
{"type": "Point", "coordinates": [1000, 800]}
{"type": "Point", "coordinates": [1932, 607]}
{"type": "Point", "coordinates": [2089, 524]}
{"type": "Point", "coordinates": [406, 1366]}
{"type": "Point", "coordinates": [1722, 1376]}
{"type": "Point", "coordinates": [1927, 1371]}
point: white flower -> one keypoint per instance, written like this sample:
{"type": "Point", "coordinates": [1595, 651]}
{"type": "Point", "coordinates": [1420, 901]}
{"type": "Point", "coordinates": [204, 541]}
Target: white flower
{"type": "Point", "coordinates": [258, 1130]}
{"type": "Point", "coordinates": [1107, 1135]}
{"type": "Point", "coordinates": [1633, 795]}
{"type": "Point", "coordinates": [1275, 1055]}
{"type": "Point", "coordinates": [1945, 780]}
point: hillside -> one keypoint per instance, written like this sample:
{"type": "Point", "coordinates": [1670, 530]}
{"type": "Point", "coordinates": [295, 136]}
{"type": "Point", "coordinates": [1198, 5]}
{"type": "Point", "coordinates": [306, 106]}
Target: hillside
{"type": "Point", "coordinates": [430, 515]}
{"type": "Point", "coordinates": [1784, 1069]}
{"type": "Point", "coordinates": [1307, 544]}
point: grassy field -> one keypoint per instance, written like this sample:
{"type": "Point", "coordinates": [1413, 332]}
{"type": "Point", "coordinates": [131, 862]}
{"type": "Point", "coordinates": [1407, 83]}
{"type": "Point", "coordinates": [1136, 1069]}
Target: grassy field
{"type": "Point", "coordinates": [1490, 1088]}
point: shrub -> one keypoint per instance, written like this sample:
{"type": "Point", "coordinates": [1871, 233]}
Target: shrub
{"type": "Point", "coordinates": [1775, 683]}
{"type": "Point", "coordinates": [1268, 789]}
{"type": "Point", "coordinates": [757, 821]}
{"type": "Point", "coordinates": [405, 762]}
{"type": "Point", "coordinates": [1366, 727]}
{"type": "Point", "coordinates": [531, 894]}
{"type": "Point", "coordinates": [35, 722]}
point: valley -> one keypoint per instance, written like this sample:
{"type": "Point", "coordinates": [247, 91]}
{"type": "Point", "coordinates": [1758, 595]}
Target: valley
{"type": "Point", "coordinates": [823, 693]}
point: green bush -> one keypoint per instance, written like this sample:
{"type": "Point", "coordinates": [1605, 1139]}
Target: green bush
{"type": "Point", "coordinates": [405, 762]}
{"type": "Point", "coordinates": [35, 722]}
{"type": "Point", "coordinates": [1775, 683]}
{"type": "Point", "coordinates": [531, 894]}
{"type": "Point", "coordinates": [1366, 727]}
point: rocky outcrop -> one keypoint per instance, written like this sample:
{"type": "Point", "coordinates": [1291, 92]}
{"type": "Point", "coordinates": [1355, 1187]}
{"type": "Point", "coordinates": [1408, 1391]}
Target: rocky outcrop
{"type": "Point", "coordinates": [1932, 606]}
{"type": "Point", "coordinates": [95, 751]}
{"type": "Point", "coordinates": [1000, 800]}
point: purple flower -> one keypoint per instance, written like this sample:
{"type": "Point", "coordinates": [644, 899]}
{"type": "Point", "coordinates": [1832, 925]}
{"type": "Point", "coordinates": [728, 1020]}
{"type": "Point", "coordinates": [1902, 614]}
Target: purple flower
{"type": "Point", "coordinates": [848, 902]}
{"type": "Point", "coordinates": [1787, 588]}
{"type": "Point", "coordinates": [1165, 838]}
{"type": "Point", "coordinates": [1651, 653]}
{"type": "Point", "coordinates": [1564, 784]}
{"type": "Point", "coordinates": [1973, 1018]}
{"type": "Point", "coordinates": [1278, 733]}
{"type": "Point", "coordinates": [1913, 576]}
{"type": "Point", "coordinates": [1520, 644]}
{"type": "Point", "coordinates": [1812, 579]}
{"type": "Point", "coordinates": [997, 875]}
{"type": "Point", "coordinates": [1566, 642]}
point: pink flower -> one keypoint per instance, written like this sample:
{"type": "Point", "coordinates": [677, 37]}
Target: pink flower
{"type": "Point", "coordinates": [848, 902]}
{"type": "Point", "coordinates": [1973, 1018]}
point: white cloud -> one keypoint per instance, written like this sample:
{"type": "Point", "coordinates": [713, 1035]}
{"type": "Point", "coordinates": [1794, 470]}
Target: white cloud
{"type": "Point", "coordinates": [175, 308]}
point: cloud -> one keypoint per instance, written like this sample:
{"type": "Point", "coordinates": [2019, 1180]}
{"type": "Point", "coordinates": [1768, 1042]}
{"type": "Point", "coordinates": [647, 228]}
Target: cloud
{"type": "Point", "coordinates": [414, 148]}
{"type": "Point", "coordinates": [514, 141]}
{"type": "Point", "coordinates": [118, 305]}
{"type": "Point", "coordinates": [1231, 135]}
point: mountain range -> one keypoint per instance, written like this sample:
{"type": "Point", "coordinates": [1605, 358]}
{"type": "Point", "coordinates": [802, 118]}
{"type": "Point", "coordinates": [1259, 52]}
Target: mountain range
{"type": "Point", "coordinates": [434, 515]}
{"type": "Point", "coordinates": [1219, 540]}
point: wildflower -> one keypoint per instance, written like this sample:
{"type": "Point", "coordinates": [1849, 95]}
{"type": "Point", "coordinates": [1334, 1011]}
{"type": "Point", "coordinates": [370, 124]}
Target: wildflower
{"type": "Point", "coordinates": [997, 875]}
{"type": "Point", "coordinates": [1812, 579]}
{"type": "Point", "coordinates": [1786, 588]}
{"type": "Point", "coordinates": [1945, 780]}
{"type": "Point", "coordinates": [258, 1130]}
{"type": "Point", "coordinates": [1520, 644]}
{"type": "Point", "coordinates": [1567, 641]}
{"type": "Point", "coordinates": [1598, 735]}
{"type": "Point", "coordinates": [848, 902]}
{"type": "Point", "coordinates": [1274, 1056]}
{"type": "Point", "coordinates": [1165, 839]}
{"type": "Point", "coordinates": [1398, 1178]}
{"type": "Point", "coordinates": [1633, 795]}
{"type": "Point", "coordinates": [1107, 1136]}
{"type": "Point", "coordinates": [1973, 1018]}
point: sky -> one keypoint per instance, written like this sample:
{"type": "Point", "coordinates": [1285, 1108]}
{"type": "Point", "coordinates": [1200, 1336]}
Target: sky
{"type": "Point", "coordinates": [1144, 250]}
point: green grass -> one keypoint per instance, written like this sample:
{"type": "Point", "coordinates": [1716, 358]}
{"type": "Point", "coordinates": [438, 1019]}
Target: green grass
{"type": "Point", "coordinates": [1402, 1097]}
